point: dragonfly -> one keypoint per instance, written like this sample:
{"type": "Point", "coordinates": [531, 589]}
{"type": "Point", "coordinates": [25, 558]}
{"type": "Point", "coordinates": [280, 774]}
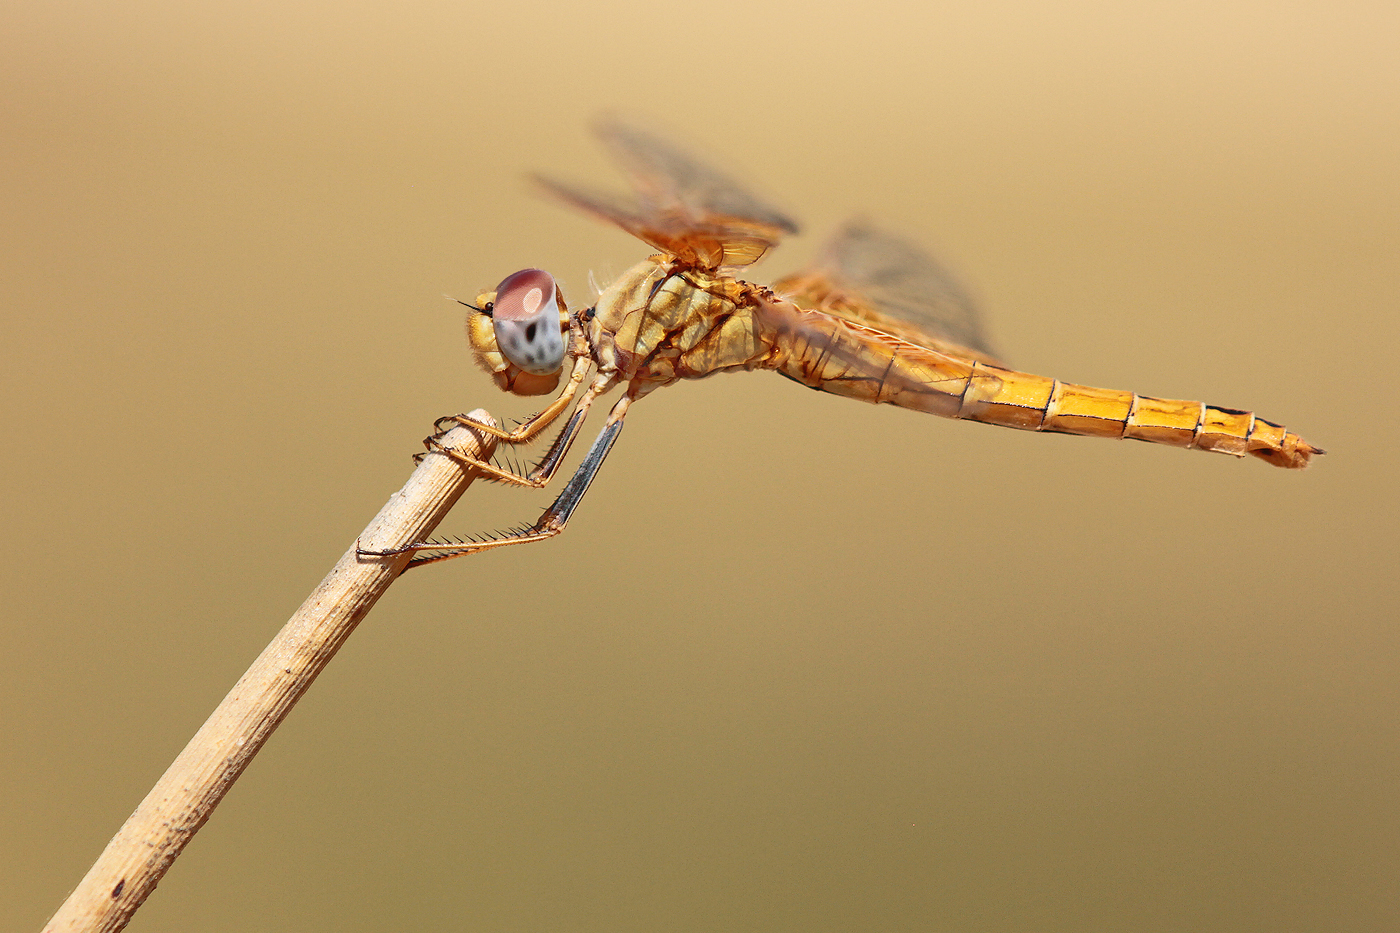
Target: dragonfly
{"type": "Point", "coordinates": [873, 318]}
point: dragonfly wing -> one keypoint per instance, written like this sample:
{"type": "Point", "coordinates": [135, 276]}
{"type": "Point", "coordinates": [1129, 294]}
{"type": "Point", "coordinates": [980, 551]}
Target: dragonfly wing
{"type": "Point", "coordinates": [671, 178]}
{"type": "Point", "coordinates": [881, 281]}
{"type": "Point", "coordinates": [681, 206]}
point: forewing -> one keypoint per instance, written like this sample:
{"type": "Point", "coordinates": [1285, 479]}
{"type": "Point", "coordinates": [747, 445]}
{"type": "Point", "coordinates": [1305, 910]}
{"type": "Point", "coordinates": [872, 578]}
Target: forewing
{"type": "Point", "coordinates": [681, 206]}
{"type": "Point", "coordinates": [671, 179]}
{"type": "Point", "coordinates": [879, 280]}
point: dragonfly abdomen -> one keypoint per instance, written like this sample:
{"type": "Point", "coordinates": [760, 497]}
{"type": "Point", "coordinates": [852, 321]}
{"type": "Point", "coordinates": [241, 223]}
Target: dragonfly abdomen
{"type": "Point", "coordinates": [850, 359]}
{"type": "Point", "coordinates": [1037, 403]}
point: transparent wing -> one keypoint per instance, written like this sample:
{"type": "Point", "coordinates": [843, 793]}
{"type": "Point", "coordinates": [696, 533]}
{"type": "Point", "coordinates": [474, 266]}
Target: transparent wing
{"type": "Point", "coordinates": [881, 281]}
{"type": "Point", "coordinates": [669, 179]}
{"type": "Point", "coordinates": [680, 205]}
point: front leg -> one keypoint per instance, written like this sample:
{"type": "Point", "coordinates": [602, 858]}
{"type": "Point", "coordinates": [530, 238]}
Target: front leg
{"type": "Point", "coordinates": [524, 433]}
{"type": "Point", "coordinates": [539, 475]}
{"type": "Point", "coordinates": [527, 430]}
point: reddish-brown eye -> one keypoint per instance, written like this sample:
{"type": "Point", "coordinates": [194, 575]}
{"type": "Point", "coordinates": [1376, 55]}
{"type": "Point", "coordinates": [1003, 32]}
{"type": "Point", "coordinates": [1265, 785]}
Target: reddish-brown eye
{"type": "Point", "coordinates": [526, 320]}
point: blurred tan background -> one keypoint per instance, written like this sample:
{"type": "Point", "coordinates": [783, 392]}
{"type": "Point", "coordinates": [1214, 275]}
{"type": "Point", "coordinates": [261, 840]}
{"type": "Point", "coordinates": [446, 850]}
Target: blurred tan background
{"type": "Point", "coordinates": [799, 664]}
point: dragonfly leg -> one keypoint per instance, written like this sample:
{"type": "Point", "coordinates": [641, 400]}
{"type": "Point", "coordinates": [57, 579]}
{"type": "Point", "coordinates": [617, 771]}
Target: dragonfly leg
{"type": "Point", "coordinates": [550, 522]}
{"type": "Point", "coordinates": [528, 429]}
{"type": "Point", "coordinates": [543, 471]}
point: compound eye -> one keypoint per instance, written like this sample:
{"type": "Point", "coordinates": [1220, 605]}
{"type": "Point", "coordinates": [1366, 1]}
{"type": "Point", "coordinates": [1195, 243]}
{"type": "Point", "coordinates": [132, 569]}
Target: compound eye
{"type": "Point", "coordinates": [526, 320]}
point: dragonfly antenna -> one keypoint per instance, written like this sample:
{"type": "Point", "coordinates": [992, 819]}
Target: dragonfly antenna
{"type": "Point", "coordinates": [486, 310]}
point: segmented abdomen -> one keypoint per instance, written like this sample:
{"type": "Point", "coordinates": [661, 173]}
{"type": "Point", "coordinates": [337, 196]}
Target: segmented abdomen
{"type": "Point", "coordinates": [1035, 403]}
{"type": "Point", "coordinates": [843, 358]}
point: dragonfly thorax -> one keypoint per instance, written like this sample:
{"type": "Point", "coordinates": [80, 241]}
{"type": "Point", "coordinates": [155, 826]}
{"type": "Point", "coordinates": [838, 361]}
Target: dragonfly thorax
{"type": "Point", "coordinates": [662, 321]}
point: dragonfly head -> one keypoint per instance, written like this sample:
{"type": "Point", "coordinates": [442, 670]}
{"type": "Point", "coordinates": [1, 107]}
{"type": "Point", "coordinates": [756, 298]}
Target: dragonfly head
{"type": "Point", "coordinates": [517, 332]}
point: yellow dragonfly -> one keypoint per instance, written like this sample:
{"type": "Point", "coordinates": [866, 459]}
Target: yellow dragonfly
{"type": "Point", "coordinates": [872, 319]}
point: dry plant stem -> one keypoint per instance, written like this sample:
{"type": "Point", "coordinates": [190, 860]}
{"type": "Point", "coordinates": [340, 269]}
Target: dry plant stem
{"type": "Point", "coordinates": [151, 839]}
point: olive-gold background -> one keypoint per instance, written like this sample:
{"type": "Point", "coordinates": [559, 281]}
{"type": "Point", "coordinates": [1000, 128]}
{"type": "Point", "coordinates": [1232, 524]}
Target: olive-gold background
{"type": "Point", "coordinates": [799, 663]}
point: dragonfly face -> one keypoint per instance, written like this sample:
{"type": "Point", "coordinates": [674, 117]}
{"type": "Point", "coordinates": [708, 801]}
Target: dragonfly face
{"type": "Point", "coordinates": [518, 335]}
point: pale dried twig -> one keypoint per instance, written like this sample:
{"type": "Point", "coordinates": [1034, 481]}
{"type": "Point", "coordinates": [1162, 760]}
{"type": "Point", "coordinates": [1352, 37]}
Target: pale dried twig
{"type": "Point", "coordinates": [154, 835]}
